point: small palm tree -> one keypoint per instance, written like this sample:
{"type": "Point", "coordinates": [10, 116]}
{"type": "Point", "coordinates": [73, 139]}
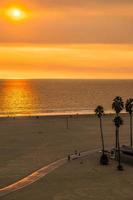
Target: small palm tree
{"type": "Point", "coordinates": [100, 112]}
{"type": "Point", "coordinates": [129, 109]}
{"type": "Point", "coordinates": [118, 106]}
{"type": "Point", "coordinates": [118, 121]}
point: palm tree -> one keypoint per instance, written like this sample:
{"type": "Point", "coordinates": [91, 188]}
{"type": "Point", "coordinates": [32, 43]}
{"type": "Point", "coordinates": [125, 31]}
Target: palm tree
{"type": "Point", "coordinates": [100, 112]}
{"type": "Point", "coordinates": [118, 106]}
{"type": "Point", "coordinates": [129, 109]}
{"type": "Point", "coordinates": [118, 121]}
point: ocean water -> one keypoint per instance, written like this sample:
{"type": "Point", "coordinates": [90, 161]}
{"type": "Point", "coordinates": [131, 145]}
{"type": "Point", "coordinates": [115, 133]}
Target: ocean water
{"type": "Point", "coordinates": [50, 97]}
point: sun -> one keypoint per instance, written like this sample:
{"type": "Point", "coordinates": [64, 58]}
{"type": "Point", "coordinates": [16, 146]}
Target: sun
{"type": "Point", "coordinates": [16, 13]}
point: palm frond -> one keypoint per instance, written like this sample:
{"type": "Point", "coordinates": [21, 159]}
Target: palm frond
{"type": "Point", "coordinates": [129, 105]}
{"type": "Point", "coordinates": [99, 111]}
{"type": "Point", "coordinates": [118, 104]}
{"type": "Point", "coordinates": [118, 121]}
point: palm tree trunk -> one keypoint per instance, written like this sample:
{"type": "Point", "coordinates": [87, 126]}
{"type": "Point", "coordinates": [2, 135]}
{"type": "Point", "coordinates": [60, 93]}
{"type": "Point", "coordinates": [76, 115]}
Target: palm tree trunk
{"type": "Point", "coordinates": [102, 139]}
{"type": "Point", "coordinates": [131, 130]}
{"type": "Point", "coordinates": [118, 140]}
{"type": "Point", "coordinates": [116, 136]}
{"type": "Point", "coordinates": [116, 143]}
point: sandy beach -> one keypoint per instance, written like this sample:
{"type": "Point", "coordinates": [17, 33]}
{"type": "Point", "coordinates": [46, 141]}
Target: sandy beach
{"type": "Point", "coordinates": [29, 143]}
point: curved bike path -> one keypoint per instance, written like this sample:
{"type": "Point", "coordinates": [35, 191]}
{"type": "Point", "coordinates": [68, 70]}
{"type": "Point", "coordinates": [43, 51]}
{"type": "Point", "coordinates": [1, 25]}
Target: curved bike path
{"type": "Point", "coordinates": [32, 178]}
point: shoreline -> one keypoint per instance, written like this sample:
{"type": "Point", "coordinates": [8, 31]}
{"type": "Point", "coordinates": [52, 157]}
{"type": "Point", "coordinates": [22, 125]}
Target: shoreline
{"type": "Point", "coordinates": [54, 115]}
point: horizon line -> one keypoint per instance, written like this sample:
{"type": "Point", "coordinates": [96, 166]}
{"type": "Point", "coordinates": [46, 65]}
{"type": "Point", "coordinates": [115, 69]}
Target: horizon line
{"type": "Point", "coordinates": [66, 79]}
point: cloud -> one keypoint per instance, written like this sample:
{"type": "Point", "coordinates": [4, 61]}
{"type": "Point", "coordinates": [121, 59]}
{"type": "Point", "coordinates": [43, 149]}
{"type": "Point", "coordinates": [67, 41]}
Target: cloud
{"type": "Point", "coordinates": [70, 29]}
{"type": "Point", "coordinates": [66, 61]}
{"type": "Point", "coordinates": [76, 3]}
{"type": "Point", "coordinates": [68, 3]}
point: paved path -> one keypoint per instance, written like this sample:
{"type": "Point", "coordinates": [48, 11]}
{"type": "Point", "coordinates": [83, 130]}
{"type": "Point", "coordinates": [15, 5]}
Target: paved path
{"type": "Point", "coordinates": [38, 175]}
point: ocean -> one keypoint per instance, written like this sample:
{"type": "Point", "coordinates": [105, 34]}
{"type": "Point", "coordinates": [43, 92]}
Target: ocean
{"type": "Point", "coordinates": [55, 97]}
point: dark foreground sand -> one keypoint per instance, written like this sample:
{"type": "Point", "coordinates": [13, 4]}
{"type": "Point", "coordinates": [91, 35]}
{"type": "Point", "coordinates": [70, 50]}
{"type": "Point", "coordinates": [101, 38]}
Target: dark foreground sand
{"type": "Point", "coordinates": [27, 144]}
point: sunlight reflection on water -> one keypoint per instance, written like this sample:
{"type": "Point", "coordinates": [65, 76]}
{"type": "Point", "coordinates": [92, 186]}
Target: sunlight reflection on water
{"type": "Point", "coordinates": [17, 97]}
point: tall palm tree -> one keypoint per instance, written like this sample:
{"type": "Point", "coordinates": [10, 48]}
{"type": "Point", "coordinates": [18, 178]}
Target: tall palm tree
{"type": "Point", "coordinates": [118, 121]}
{"type": "Point", "coordinates": [129, 109]}
{"type": "Point", "coordinates": [100, 112]}
{"type": "Point", "coordinates": [118, 106]}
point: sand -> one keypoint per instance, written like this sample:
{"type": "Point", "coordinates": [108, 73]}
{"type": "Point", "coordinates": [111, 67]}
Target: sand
{"type": "Point", "coordinates": [28, 144]}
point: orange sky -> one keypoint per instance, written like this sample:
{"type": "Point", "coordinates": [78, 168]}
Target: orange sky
{"type": "Point", "coordinates": [67, 61]}
{"type": "Point", "coordinates": [67, 39]}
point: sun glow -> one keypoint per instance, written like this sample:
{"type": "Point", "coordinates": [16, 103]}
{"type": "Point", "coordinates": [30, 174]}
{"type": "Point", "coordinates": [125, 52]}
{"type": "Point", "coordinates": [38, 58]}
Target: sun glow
{"type": "Point", "coordinates": [16, 14]}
